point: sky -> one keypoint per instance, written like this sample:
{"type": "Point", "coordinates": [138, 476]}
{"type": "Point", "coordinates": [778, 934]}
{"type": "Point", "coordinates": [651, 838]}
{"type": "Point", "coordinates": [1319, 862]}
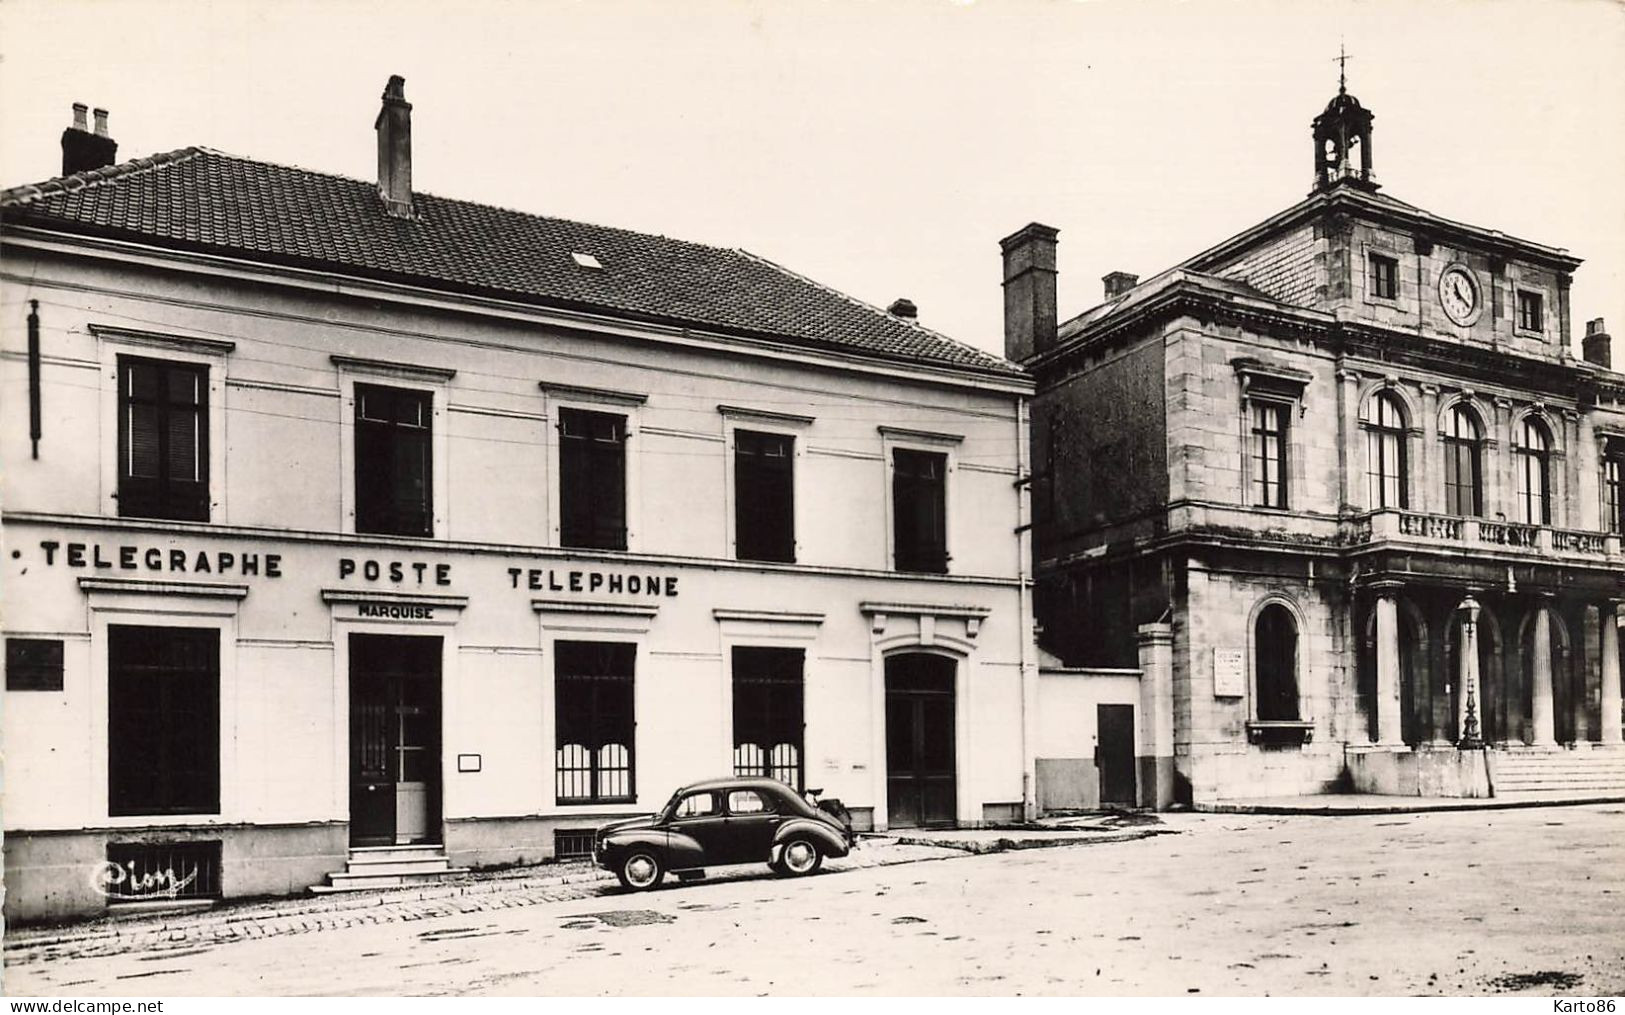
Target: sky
{"type": "Point", "coordinates": [880, 147]}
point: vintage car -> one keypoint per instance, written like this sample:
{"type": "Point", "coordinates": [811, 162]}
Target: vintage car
{"type": "Point", "coordinates": [724, 821]}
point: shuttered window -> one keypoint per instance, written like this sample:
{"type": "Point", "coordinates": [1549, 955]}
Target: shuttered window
{"type": "Point", "coordinates": [394, 478]}
{"type": "Point", "coordinates": [163, 720]}
{"type": "Point", "coordinates": [920, 511]}
{"type": "Point", "coordinates": [592, 479]}
{"type": "Point", "coordinates": [594, 723]}
{"type": "Point", "coordinates": [163, 439]}
{"type": "Point", "coordinates": [764, 496]}
{"type": "Point", "coordinates": [768, 714]}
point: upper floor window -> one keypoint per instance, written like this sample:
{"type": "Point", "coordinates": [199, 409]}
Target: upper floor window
{"type": "Point", "coordinates": [1531, 311]}
{"type": "Point", "coordinates": [1463, 464]}
{"type": "Point", "coordinates": [393, 461]}
{"type": "Point", "coordinates": [1268, 453]}
{"type": "Point", "coordinates": [163, 439]}
{"type": "Point", "coordinates": [1613, 486]}
{"type": "Point", "coordinates": [1275, 664]}
{"type": "Point", "coordinates": [592, 479]}
{"type": "Point", "coordinates": [1535, 474]}
{"type": "Point", "coordinates": [920, 510]}
{"type": "Point", "coordinates": [1384, 274]}
{"type": "Point", "coordinates": [764, 496]}
{"type": "Point", "coordinates": [1386, 452]}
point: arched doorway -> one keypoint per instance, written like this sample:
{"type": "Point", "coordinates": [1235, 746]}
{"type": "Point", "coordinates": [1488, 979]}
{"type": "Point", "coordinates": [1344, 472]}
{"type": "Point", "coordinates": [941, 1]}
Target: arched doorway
{"type": "Point", "coordinates": [921, 767]}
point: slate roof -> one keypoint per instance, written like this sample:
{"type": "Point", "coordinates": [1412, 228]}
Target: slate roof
{"type": "Point", "coordinates": [203, 200]}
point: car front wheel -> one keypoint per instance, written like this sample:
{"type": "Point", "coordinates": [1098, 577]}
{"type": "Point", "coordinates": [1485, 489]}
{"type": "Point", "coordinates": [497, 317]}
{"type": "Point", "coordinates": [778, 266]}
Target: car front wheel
{"type": "Point", "coordinates": [800, 857]}
{"type": "Point", "coordinates": [640, 871]}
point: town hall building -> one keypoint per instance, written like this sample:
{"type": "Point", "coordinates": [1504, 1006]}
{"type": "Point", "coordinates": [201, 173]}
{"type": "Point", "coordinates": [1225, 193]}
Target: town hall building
{"type": "Point", "coordinates": [1340, 491]}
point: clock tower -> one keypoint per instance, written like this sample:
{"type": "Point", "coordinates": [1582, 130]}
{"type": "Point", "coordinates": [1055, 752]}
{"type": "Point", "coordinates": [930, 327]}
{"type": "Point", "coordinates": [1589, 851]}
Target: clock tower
{"type": "Point", "coordinates": [1342, 132]}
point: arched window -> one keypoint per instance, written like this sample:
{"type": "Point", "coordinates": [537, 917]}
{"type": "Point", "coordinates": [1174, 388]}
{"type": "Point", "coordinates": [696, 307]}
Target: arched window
{"type": "Point", "coordinates": [1535, 473]}
{"type": "Point", "coordinates": [1386, 452]}
{"type": "Point", "coordinates": [1613, 486]}
{"type": "Point", "coordinates": [1275, 663]}
{"type": "Point", "coordinates": [1463, 464]}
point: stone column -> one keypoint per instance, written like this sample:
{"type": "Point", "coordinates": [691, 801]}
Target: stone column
{"type": "Point", "coordinates": [1348, 446]}
{"type": "Point", "coordinates": [1156, 645]}
{"type": "Point", "coordinates": [1467, 714]}
{"type": "Point", "coordinates": [1540, 673]}
{"type": "Point", "coordinates": [1388, 674]}
{"type": "Point", "coordinates": [1427, 492]}
{"type": "Point", "coordinates": [1608, 620]}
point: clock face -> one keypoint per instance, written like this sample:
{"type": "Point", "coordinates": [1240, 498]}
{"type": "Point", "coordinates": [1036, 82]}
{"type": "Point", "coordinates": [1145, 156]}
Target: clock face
{"type": "Point", "coordinates": [1458, 294]}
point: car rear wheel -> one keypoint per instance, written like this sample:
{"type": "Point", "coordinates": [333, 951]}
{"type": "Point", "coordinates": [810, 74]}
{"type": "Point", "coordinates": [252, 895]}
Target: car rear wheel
{"type": "Point", "coordinates": [800, 857]}
{"type": "Point", "coordinates": [640, 871]}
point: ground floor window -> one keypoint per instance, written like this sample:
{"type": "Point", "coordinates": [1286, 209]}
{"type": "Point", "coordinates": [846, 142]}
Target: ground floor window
{"type": "Point", "coordinates": [595, 723]}
{"type": "Point", "coordinates": [768, 715]}
{"type": "Point", "coordinates": [1275, 664]}
{"type": "Point", "coordinates": [163, 720]}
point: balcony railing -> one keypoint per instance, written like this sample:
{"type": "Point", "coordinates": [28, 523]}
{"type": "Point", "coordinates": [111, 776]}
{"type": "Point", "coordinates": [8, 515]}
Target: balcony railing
{"type": "Point", "coordinates": [1484, 533]}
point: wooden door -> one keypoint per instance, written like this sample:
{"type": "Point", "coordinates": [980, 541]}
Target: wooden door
{"type": "Point", "coordinates": [921, 770]}
{"type": "Point", "coordinates": [1115, 753]}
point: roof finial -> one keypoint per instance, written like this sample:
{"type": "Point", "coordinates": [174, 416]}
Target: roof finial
{"type": "Point", "coordinates": [1342, 69]}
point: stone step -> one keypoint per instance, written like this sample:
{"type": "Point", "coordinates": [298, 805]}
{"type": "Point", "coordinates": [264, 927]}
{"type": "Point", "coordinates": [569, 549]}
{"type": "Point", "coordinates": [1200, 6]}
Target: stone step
{"type": "Point", "coordinates": [426, 865]}
{"type": "Point", "coordinates": [348, 882]}
{"type": "Point", "coordinates": [412, 852]}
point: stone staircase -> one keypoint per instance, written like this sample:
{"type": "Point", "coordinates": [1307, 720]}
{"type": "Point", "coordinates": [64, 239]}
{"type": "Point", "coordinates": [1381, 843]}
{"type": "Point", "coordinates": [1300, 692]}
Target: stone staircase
{"type": "Point", "coordinates": [372, 867]}
{"type": "Point", "coordinates": [1534, 772]}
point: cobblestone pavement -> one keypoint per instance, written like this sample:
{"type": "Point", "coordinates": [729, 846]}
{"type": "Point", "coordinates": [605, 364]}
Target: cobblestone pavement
{"type": "Point", "coordinates": [1525, 901]}
{"type": "Point", "coordinates": [484, 892]}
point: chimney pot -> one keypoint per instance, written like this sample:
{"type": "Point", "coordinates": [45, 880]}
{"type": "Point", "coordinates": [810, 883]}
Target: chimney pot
{"type": "Point", "coordinates": [83, 151]}
{"type": "Point", "coordinates": [1597, 346]}
{"type": "Point", "coordinates": [394, 128]}
{"type": "Point", "coordinates": [904, 308]}
{"type": "Point", "coordinates": [1118, 283]}
{"type": "Point", "coordinates": [1029, 290]}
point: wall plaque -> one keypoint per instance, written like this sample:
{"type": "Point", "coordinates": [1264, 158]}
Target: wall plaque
{"type": "Point", "coordinates": [1229, 673]}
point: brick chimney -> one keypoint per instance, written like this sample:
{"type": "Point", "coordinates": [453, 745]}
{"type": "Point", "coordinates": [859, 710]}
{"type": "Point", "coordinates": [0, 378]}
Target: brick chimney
{"type": "Point", "coordinates": [1596, 347]}
{"type": "Point", "coordinates": [394, 127]}
{"type": "Point", "coordinates": [903, 308]}
{"type": "Point", "coordinates": [1118, 283]}
{"type": "Point", "coordinates": [1029, 290]}
{"type": "Point", "coordinates": [81, 149]}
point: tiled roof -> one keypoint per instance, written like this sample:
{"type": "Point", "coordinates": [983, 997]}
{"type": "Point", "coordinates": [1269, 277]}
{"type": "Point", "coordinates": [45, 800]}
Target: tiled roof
{"type": "Point", "coordinates": [203, 200]}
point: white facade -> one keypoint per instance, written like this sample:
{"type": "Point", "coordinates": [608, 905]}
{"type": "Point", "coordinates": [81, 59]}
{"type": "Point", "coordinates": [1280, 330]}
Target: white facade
{"type": "Point", "coordinates": [284, 350]}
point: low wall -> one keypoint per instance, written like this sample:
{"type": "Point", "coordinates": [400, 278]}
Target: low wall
{"type": "Point", "coordinates": [1422, 772]}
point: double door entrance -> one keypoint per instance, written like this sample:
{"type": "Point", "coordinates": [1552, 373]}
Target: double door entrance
{"type": "Point", "coordinates": [394, 740]}
{"type": "Point", "coordinates": [921, 776]}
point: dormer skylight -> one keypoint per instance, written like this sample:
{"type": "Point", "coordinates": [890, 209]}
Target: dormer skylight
{"type": "Point", "coordinates": [587, 261]}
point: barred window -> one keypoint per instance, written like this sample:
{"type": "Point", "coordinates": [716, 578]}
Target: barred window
{"type": "Point", "coordinates": [768, 713]}
{"type": "Point", "coordinates": [163, 439]}
{"type": "Point", "coordinates": [920, 511]}
{"type": "Point", "coordinates": [1463, 464]}
{"type": "Point", "coordinates": [594, 722]}
{"type": "Point", "coordinates": [394, 480]}
{"type": "Point", "coordinates": [592, 479]}
{"type": "Point", "coordinates": [1535, 474]}
{"type": "Point", "coordinates": [163, 720]}
{"type": "Point", "coordinates": [764, 496]}
{"type": "Point", "coordinates": [1269, 460]}
{"type": "Point", "coordinates": [1386, 452]}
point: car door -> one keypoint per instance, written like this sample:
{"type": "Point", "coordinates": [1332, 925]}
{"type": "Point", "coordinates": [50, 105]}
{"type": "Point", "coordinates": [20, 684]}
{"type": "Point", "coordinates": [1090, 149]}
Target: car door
{"type": "Point", "coordinates": [699, 816]}
{"type": "Point", "coordinates": [752, 820]}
